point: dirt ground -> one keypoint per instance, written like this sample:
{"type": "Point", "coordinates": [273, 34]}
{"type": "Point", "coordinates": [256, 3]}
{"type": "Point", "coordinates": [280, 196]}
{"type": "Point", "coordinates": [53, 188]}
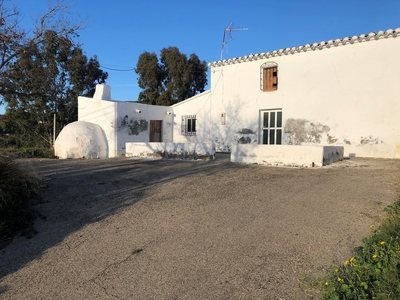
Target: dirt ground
{"type": "Point", "coordinates": [134, 229]}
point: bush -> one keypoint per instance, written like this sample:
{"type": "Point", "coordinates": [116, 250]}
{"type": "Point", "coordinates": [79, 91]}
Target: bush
{"type": "Point", "coordinates": [17, 191]}
{"type": "Point", "coordinates": [373, 272]}
{"type": "Point", "coordinates": [27, 152]}
{"type": "Point", "coordinates": [19, 147]}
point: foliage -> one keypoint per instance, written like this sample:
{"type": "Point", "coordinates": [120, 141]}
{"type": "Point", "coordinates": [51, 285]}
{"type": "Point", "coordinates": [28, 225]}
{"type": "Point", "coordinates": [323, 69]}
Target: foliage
{"type": "Point", "coordinates": [134, 127]}
{"type": "Point", "coordinates": [17, 190]}
{"type": "Point", "coordinates": [55, 73]}
{"type": "Point", "coordinates": [41, 75]}
{"type": "Point", "coordinates": [373, 272]}
{"type": "Point", "coordinates": [171, 79]}
{"type": "Point", "coordinates": [14, 39]}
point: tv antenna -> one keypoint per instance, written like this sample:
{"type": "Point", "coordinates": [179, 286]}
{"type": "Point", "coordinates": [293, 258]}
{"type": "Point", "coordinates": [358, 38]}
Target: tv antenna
{"type": "Point", "coordinates": [228, 36]}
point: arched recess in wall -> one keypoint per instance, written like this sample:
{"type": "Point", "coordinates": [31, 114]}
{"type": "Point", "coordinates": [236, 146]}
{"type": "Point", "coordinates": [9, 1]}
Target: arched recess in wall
{"type": "Point", "coordinates": [269, 76]}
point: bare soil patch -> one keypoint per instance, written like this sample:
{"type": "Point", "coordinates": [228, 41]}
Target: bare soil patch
{"type": "Point", "coordinates": [126, 229]}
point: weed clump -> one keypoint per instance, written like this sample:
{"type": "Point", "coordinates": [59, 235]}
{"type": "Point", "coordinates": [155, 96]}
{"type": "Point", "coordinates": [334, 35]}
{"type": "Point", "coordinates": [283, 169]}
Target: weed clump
{"type": "Point", "coordinates": [373, 272]}
{"type": "Point", "coordinates": [18, 189]}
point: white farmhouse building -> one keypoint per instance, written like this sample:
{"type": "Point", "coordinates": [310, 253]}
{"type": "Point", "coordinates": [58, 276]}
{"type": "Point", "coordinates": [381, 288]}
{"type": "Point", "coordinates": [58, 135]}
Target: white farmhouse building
{"type": "Point", "coordinates": [341, 93]}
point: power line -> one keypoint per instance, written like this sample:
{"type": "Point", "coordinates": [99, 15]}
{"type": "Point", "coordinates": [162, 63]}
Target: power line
{"type": "Point", "coordinates": [119, 70]}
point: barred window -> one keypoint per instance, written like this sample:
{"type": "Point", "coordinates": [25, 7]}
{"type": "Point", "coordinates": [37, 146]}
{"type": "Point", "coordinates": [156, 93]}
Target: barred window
{"type": "Point", "coordinates": [188, 125]}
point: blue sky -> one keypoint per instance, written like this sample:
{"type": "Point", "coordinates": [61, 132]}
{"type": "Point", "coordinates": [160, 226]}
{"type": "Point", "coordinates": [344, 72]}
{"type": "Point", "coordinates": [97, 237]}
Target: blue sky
{"type": "Point", "coordinates": [118, 31]}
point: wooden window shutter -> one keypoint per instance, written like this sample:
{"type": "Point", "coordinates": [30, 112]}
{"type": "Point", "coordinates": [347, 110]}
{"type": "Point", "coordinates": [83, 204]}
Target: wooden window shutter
{"type": "Point", "coordinates": [269, 77]}
{"type": "Point", "coordinates": [274, 78]}
{"type": "Point", "coordinates": [265, 80]}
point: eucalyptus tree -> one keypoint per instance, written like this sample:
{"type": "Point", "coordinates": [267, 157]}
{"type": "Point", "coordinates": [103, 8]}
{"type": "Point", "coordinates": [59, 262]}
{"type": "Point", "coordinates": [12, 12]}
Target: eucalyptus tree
{"type": "Point", "coordinates": [170, 78]}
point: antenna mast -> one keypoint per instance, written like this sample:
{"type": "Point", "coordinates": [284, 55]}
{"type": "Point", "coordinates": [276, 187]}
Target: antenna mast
{"type": "Point", "coordinates": [228, 35]}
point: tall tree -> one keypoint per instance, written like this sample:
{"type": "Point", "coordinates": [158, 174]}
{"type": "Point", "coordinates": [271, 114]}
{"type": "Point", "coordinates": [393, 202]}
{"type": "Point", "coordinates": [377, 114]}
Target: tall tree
{"type": "Point", "coordinates": [170, 79]}
{"type": "Point", "coordinates": [14, 39]}
{"type": "Point", "coordinates": [42, 74]}
{"type": "Point", "coordinates": [151, 76]}
{"type": "Point", "coordinates": [47, 78]}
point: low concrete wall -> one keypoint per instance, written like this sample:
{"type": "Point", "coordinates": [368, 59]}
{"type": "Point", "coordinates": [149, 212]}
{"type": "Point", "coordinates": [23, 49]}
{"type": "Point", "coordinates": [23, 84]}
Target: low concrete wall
{"type": "Point", "coordinates": [332, 154]}
{"type": "Point", "coordinates": [286, 155]}
{"type": "Point", "coordinates": [182, 150]}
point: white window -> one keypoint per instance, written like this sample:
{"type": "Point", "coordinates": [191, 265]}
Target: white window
{"type": "Point", "coordinates": [188, 125]}
{"type": "Point", "coordinates": [271, 123]}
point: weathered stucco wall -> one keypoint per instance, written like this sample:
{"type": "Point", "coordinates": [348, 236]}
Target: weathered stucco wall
{"type": "Point", "coordinates": [345, 95]}
{"type": "Point", "coordinates": [123, 121]}
{"type": "Point", "coordinates": [81, 140]}
{"type": "Point", "coordinates": [133, 123]}
{"type": "Point", "coordinates": [221, 122]}
{"type": "Point", "coordinates": [286, 155]}
{"type": "Point", "coordinates": [190, 150]}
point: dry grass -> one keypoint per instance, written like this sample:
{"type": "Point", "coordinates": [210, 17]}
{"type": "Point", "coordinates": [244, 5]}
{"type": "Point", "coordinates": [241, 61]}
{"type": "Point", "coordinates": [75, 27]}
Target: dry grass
{"type": "Point", "coordinates": [17, 191]}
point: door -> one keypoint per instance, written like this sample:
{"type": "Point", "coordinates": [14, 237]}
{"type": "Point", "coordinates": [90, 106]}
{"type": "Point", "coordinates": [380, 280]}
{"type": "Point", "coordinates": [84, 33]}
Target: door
{"type": "Point", "coordinates": [155, 131]}
{"type": "Point", "coordinates": [271, 123]}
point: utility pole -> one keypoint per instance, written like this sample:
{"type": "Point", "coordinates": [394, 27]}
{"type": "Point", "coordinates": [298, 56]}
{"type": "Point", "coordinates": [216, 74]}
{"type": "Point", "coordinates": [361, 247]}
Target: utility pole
{"type": "Point", "coordinates": [54, 129]}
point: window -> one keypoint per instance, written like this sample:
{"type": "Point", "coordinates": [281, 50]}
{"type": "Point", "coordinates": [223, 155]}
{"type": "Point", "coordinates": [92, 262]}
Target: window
{"type": "Point", "coordinates": [223, 118]}
{"type": "Point", "coordinates": [188, 125]}
{"type": "Point", "coordinates": [269, 77]}
{"type": "Point", "coordinates": [271, 122]}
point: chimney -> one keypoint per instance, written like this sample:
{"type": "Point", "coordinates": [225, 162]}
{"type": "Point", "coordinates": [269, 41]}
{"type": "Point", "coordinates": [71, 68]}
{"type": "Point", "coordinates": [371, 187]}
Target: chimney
{"type": "Point", "coordinates": [103, 92]}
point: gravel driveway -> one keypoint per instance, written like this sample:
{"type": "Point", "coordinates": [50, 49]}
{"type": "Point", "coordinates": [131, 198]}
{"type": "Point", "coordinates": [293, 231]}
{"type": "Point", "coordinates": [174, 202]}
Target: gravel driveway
{"type": "Point", "coordinates": [134, 229]}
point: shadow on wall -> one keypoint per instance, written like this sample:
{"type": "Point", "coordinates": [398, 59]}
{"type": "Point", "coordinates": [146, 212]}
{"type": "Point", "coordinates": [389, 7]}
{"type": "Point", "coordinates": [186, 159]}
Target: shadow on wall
{"type": "Point", "coordinates": [82, 192]}
{"type": "Point", "coordinates": [194, 150]}
{"type": "Point", "coordinates": [216, 135]}
{"type": "Point", "coordinates": [133, 126]}
{"type": "Point", "coordinates": [229, 129]}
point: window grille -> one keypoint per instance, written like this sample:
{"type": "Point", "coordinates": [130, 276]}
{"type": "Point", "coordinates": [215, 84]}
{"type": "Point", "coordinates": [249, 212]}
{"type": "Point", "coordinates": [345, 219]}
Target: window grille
{"type": "Point", "coordinates": [188, 125]}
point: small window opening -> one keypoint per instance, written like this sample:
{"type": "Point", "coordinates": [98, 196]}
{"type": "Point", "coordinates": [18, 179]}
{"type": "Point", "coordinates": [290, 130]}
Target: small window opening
{"type": "Point", "coordinates": [269, 77]}
{"type": "Point", "coordinates": [188, 125]}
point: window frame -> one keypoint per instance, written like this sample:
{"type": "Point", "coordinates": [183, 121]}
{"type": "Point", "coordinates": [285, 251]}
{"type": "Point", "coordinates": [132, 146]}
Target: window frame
{"type": "Point", "coordinates": [188, 125]}
{"type": "Point", "coordinates": [269, 77]}
{"type": "Point", "coordinates": [272, 126]}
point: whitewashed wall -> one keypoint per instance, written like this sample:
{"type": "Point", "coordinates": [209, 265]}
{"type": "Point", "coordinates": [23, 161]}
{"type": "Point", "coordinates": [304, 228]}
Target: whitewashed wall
{"type": "Point", "coordinates": [130, 111]}
{"type": "Point", "coordinates": [183, 150]}
{"type": "Point", "coordinates": [117, 119]}
{"type": "Point", "coordinates": [209, 126]}
{"type": "Point", "coordinates": [287, 155]}
{"type": "Point", "coordinates": [343, 95]}
{"type": "Point", "coordinates": [350, 92]}
{"type": "Point", "coordinates": [100, 112]}
{"type": "Point", "coordinates": [199, 106]}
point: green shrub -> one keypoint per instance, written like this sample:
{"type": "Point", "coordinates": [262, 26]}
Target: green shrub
{"type": "Point", "coordinates": [37, 152]}
{"type": "Point", "coordinates": [17, 191]}
{"type": "Point", "coordinates": [18, 147]}
{"type": "Point", "coordinates": [28, 152]}
{"type": "Point", "coordinates": [373, 272]}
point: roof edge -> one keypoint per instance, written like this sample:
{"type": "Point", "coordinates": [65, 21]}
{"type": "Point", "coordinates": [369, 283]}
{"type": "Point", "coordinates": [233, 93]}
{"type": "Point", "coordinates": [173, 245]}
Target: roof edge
{"type": "Point", "coordinates": [310, 47]}
{"type": "Point", "coordinates": [191, 98]}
